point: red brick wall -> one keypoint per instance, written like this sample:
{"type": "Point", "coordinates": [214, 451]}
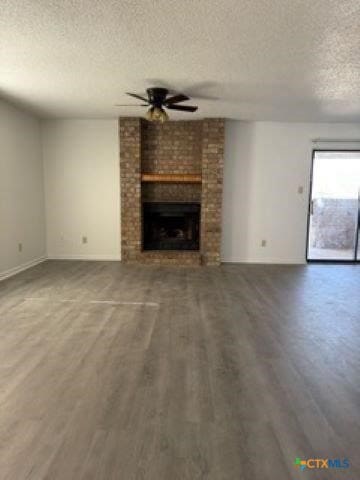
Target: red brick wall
{"type": "Point", "coordinates": [172, 147]}
{"type": "Point", "coordinates": [171, 192]}
{"type": "Point", "coordinates": [130, 184]}
{"type": "Point", "coordinates": [212, 180]}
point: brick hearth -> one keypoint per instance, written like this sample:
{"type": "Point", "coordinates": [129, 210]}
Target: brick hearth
{"type": "Point", "coordinates": [178, 147]}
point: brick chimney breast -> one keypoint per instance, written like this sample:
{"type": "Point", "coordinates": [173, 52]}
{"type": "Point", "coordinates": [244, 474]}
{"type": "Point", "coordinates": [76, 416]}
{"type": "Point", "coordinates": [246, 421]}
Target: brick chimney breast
{"type": "Point", "coordinates": [190, 148]}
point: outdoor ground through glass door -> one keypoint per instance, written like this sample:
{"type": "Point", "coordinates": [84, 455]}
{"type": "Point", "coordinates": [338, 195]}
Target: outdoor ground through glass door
{"type": "Point", "coordinates": [333, 232]}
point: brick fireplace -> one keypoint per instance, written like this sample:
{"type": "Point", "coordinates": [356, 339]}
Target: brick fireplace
{"type": "Point", "coordinates": [171, 191]}
{"type": "Point", "coordinates": [171, 226]}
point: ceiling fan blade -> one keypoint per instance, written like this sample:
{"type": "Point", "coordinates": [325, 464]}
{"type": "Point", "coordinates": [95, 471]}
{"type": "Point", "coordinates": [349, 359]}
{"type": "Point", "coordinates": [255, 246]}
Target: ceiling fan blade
{"type": "Point", "coordinates": [128, 105]}
{"type": "Point", "coordinates": [137, 96]}
{"type": "Point", "coordinates": [184, 108]}
{"type": "Point", "coordinates": [176, 99]}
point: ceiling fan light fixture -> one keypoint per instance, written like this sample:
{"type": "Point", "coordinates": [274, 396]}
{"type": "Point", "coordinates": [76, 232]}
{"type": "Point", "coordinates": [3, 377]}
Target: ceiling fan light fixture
{"type": "Point", "coordinates": [158, 100]}
{"type": "Point", "coordinates": [164, 116]}
{"type": "Point", "coordinates": [149, 114]}
{"type": "Point", "coordinates": [157, 114]}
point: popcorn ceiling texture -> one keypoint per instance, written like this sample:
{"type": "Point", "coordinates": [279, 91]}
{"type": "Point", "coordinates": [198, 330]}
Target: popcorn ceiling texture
{"type": "Point", "coordinates": [287, 60]}
{"type": "Point", "coordinates": [173, 147]}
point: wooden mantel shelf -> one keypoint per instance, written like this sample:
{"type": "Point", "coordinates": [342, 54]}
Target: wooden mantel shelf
{"type": "Point", "coordinates": [171, 177]}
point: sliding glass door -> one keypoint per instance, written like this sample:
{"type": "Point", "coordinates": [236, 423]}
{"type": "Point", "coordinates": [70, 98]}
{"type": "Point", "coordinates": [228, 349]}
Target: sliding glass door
{"type": "Point", "coordinates": [333, 232]}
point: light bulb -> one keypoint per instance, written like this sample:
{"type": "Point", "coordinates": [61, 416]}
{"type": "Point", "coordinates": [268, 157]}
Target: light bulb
{"type": "Point", "coordinates": [149, 114]}
{"type": "Point", "coordinates": [157, 114]}
{"type": "Point", "coordinates": [164, 116]}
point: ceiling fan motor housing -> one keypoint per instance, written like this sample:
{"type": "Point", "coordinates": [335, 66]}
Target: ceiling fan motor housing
{"type": "Point", "coordinates": [157, 96]}
{"type": "Point", "coordinates": [158, 100]}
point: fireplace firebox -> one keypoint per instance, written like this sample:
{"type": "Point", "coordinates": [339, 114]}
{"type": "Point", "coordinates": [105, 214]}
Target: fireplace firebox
{"type": "Point", "coordinates": [171, 226]}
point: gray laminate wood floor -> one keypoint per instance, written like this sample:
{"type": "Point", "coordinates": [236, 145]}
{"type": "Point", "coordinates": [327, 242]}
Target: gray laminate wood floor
{"type": "Point", "coordinates": [126, 372]}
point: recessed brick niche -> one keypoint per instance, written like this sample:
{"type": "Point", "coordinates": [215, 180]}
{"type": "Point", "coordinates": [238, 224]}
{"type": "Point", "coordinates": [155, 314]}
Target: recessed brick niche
{"type": "Point", "coordinates": [191, 150]}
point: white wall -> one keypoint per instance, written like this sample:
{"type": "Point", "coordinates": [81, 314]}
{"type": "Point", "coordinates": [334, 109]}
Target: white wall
{"type": "Point", "coordinates": [22, 218]}
{"type": "Point", "coordinates": [265, 163]}
{"type": "Point", "coordinates": [82, 188]}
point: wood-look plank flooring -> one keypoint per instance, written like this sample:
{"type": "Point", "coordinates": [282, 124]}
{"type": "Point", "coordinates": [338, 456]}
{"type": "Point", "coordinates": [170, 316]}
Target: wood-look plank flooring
{"type": "Point", "coordinates": [124, 372]}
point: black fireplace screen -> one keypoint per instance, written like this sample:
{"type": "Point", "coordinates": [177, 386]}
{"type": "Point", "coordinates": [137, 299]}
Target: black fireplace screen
{"type": "Point", "coordinates": [171, 226]}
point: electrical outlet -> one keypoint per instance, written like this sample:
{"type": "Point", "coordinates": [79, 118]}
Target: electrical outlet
{"type": "Point", "coordinates": [20, 247]}
{"type": "Point", "coordinates": [84, 240]}
{"type": "Point", "coordinates": [263, 243]}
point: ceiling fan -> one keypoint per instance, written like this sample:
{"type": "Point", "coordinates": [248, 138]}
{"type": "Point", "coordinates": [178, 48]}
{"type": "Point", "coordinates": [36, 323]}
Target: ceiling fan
{"type": "Point", "coordinates": [158, 100]}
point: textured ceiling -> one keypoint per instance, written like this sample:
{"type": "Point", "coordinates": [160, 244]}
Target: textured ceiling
{"type": "Point", "coordinates": [296, 60]}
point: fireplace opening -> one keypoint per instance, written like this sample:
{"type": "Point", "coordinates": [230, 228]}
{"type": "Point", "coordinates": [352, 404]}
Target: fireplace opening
{"type": "Point", "coordinates": [171, 226]}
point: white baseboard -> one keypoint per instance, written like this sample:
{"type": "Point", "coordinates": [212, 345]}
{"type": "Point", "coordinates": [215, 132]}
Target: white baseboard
{"type": "Point", "coordinates": [21, 268]}
{"type": "Point", "coordinates": [103, 258]}
{"type": "Point", "coordinates": [271, 261]}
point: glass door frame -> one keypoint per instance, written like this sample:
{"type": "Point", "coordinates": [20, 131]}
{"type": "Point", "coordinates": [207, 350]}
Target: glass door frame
{"type": "Point", "coordinates": [357, 233]}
